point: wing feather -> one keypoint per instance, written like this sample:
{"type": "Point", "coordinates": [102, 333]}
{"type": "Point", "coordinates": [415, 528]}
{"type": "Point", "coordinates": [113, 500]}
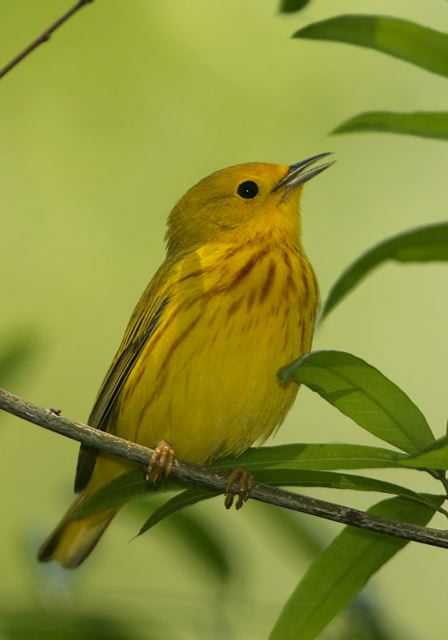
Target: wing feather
{"type": "Point", "coordinates": [144, 321]}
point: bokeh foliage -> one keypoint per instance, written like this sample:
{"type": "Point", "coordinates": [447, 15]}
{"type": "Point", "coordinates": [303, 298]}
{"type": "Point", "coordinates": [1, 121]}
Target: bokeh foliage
{"type": "Point", "coordinates": [103, 220]}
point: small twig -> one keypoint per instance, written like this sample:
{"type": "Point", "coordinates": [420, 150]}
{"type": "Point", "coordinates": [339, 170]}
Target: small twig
{"type": "Point", "coordinates": [44, 37]}
{"type": "Point", "coordinates": [216, 479]}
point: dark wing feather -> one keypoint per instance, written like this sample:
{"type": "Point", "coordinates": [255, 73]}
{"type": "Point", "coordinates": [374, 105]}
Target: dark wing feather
{"type": "Point", "coordinates": [142, 325]}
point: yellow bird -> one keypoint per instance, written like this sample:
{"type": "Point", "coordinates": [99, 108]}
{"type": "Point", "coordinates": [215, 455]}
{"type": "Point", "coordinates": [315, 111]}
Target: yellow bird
{"type": "Point", "coordinates": [234, 300]}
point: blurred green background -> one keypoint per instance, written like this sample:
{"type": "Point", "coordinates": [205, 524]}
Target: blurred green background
{"type": "Point", "coordinates": [101, 131]}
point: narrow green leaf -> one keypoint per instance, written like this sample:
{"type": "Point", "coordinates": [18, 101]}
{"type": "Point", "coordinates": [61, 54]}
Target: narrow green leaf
{"type": "Point", "coordinates": [424, 244]}
{"type": "Point", "coordinates": [122, 489]}
{"type": "Point", "coordinates": [333, 480]}
{"type": "Point", "coordinates": [364, 394]}
{"type": "Point", "coordinates": [187, 498]}
{"type": "Point", "coordinates": [317, 456]}
{"type": "Point", "coordinates": [428, 124]}
{"type": "Point", "coordinates": [291, 6]}
{"type": "Point", "coordinates": [408, 41]}
{"type": "Point", "coordinates": [342, 570]}
{"type": "Point", "coordinates": [433, 457]}
{"type": "Point", "coordinates": [293, 457]}
{"type": "Point", "coordinates": [286, 477]}
{"type": "Point", "coordinates": [303, 536]}
{"type": "Point", "coordinates": [198, 534]}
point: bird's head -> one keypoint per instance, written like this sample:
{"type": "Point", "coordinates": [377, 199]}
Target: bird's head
{"type": "Point", "coordinates": [241, 201]}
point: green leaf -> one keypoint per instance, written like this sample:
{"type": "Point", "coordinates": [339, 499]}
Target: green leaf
{"type": "Point", "coordinates": [364, 394]}
{"type": "Point", "coordinates": [424, 244]}
{"type": "Point", "coordinates": [287, 477]}
{"type": "Point", "coordinates": [428, 124]}
{"type": "Point", "coordinates": [121, 490]}
{"type": "Point", "coordinates": [300, 536]}
{"type": "Point", "coordinates": [433, 457]}
{"type": "Point", "coordinates": [408, 41]}
{"type": "Point", "coordinates": [187, 498]}
{"type": "Point", "coordinates": [303, 536]}
{"type": "Point", "coordinates": [342, 570]}
{"type": "Point", "coordinates": [332, 480]}
{"type": "Point", "coordinates": [293, 457]}
{"type": "Point", "coordinates": [315, 456]}
{"type": "Point", "coordinates": [291, 6]}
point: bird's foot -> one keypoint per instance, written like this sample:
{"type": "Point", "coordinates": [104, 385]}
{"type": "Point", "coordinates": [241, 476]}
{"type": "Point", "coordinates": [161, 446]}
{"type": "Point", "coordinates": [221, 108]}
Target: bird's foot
{"type": "Point", "coordinates": [161, 462]}
{"type": "Point", "coordinates": [239, 484]}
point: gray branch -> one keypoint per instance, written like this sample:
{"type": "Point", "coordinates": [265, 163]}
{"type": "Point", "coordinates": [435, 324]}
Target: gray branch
{"type": "Point", "coordinates": [44, 37]}
{"type": "Point", "coordinates": [215, 479]}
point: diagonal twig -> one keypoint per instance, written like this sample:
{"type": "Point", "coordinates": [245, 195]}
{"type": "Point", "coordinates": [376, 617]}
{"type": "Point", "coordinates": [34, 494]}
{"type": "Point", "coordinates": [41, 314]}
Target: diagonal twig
{"type": "Point", "coordinates": [44, 37]}
{"type": "Point", "coordinates": [215, 479]}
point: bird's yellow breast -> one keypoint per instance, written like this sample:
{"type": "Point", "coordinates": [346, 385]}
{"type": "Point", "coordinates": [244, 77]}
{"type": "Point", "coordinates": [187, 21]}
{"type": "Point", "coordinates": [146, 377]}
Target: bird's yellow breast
{"type": "Point", "coordinates": [206, 380]}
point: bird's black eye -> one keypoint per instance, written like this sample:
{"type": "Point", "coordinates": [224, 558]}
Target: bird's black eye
{"type": "Point", "coordinates": [248, 189]}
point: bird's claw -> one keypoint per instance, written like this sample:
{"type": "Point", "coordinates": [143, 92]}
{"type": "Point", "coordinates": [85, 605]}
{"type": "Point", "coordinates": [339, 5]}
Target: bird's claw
{"type": "Point", "coordinates": [161, 462]}
{"type": "Point", "coordinates": [244, 482]}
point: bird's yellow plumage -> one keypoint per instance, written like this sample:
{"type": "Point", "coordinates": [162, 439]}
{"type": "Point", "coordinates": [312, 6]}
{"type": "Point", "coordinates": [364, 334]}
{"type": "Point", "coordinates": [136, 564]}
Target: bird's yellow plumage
{"type": "Point", "coordinates": [234, 301]}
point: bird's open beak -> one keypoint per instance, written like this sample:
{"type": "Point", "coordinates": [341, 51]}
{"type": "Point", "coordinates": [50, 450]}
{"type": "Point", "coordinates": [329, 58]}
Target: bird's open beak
{"type": "Point", "coordinates": [296, 173]}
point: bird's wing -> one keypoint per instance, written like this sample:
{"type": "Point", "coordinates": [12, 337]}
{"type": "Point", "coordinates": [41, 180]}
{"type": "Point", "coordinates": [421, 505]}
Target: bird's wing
{"type": "Point", "coordinates": [143, 323]}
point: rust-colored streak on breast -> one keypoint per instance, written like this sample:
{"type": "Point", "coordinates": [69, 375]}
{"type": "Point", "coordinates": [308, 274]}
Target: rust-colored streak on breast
{"type": "Point", "coordinates": [290, 287]}
{"type": "Point", "coordinates": [163, 369]}
{"type": "Point", "coordinates": [287, 260]}
{"type": "Point", "coordinates": [211, 320]}
{"type": "Point", "coordinates": [251, 299]}
{"type": "Point", "coordinates": [302, 334]}
{"type": "Point", "coordinates": [240, 275]}
{"type": "Point", "coordinates": [234, 307]}
{"type": "Point", "coordinates": [233, 251]}
{"type": "Point", "coordinates": [243, 272]}
{"type": "Point", "coordinates": [305, 285]}
{"type": "Point", "coordinates": [315, 284]}
{"type": "Point", "coordinates": [268, 283]}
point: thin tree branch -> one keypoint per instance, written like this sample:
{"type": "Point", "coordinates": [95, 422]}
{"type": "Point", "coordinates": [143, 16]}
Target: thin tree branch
{"type": "Point", "coordinates": [215, 479]}
{"type": "Point", "coordinates": [44, 37]}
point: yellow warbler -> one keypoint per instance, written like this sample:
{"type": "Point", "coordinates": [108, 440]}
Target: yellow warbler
{"type": "Point", "coordinates": [234, 300]}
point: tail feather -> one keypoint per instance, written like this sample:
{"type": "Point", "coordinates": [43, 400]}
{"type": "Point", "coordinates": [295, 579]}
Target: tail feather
{"type": "Point", "coordinates": [74, 538]}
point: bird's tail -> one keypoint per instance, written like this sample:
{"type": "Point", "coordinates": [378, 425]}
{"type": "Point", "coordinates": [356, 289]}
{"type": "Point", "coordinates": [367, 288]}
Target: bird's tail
{"type": "Point", "coordinates": [74, 538]}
